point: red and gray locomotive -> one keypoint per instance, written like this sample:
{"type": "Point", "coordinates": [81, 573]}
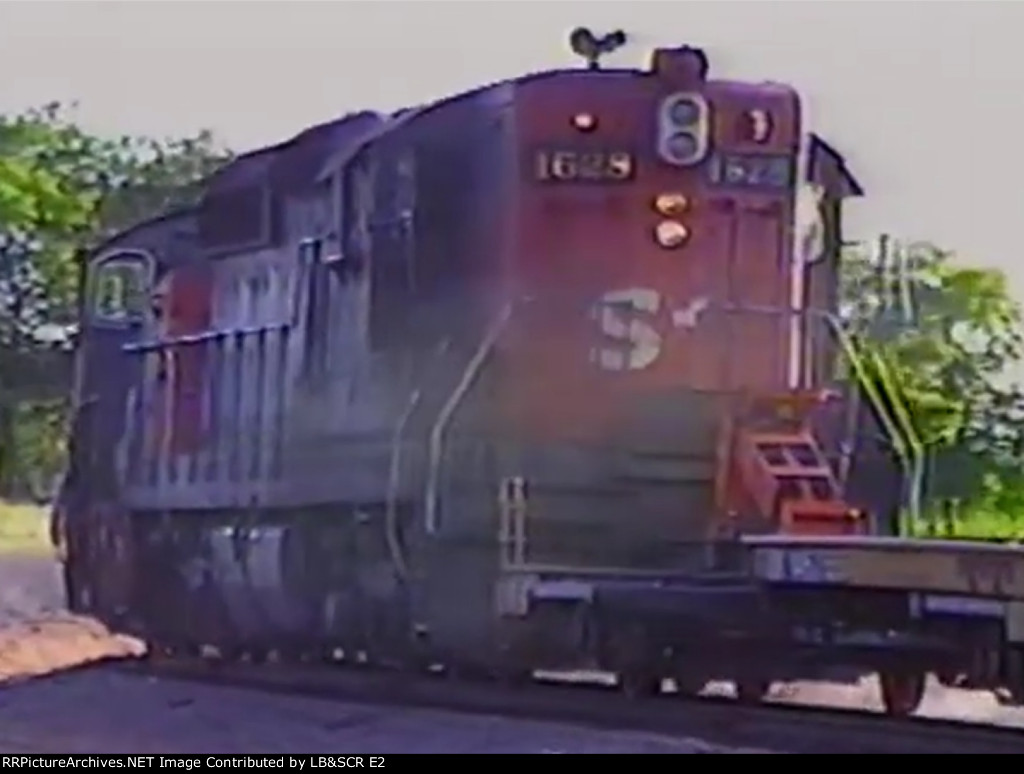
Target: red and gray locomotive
{"type": "Point", "coordinates": [494, 382]}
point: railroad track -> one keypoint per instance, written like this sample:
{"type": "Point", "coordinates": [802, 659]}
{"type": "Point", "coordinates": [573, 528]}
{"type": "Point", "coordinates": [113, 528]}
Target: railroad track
{"type": "Point", "coordinates": [779, 727]}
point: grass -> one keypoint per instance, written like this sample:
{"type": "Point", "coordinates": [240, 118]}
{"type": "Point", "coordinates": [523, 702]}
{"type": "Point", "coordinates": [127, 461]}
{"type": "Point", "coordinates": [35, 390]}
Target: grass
{"type": "Point", "coordinates": [23, 530]}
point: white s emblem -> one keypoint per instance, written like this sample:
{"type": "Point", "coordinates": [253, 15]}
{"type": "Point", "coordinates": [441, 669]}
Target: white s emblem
{"type": "Point", "coordinates": [619, 315]}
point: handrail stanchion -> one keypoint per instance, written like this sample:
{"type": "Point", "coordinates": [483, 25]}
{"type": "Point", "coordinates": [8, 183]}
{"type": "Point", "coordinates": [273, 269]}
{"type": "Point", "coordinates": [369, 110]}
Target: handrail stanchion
{"type": "Point", "coordinates": [892, 413]}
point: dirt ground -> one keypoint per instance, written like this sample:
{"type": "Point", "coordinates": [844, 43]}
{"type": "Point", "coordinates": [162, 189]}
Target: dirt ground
{"type": "Point", "coordinates": [37, 636]}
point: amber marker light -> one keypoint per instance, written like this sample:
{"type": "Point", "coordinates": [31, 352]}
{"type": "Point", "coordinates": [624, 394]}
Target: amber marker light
{"type": "Point", "coordinates": [584, 122]}
{"type": "Point", "coordinates": [671, 233]}
{"type": "Point", "coordinates": [669, 204]}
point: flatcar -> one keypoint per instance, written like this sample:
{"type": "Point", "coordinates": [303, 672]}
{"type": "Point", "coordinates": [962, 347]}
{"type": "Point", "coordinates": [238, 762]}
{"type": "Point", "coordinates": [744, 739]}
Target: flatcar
{"type": "Point", "coordinates": [495, 382]}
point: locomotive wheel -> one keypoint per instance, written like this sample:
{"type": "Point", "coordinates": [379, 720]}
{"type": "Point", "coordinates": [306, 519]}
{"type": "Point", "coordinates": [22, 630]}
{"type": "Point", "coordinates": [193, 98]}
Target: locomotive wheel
{"type": "Point", "coordinates": [515, 678]}
{"type": "Point", "coordinates": [752, 689]}
{"type": "Point", "coordinates": [512, 674]}
{"type": "Point", "coordinates": [638, 669]}
{"type": "Point", "coordinates": [471, 672]}
{"type": "Point", "coordinates": [639, 683]}
{"type": "Point", "coordinates": [170, 650]}
{"type": "Point", "coordinates": [902, 691]}
{"type": "Point", "coordinates": [689, 684]}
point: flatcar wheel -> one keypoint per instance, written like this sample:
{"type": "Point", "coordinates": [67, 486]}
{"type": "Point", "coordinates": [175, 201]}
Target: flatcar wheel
{"type": "Point", "coordinates": [902, 691]}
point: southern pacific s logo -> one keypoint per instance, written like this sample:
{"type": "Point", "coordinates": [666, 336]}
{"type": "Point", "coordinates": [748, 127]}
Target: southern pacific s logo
{"type": "Point", "coordinates": [626, 320]}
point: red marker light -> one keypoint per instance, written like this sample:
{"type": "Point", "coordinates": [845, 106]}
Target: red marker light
{"type": "Point", "coordinates": [584, 122]}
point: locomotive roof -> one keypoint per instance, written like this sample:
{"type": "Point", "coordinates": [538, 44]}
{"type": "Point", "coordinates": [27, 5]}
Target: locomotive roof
{"type": "Point", "coordinates": [495, 91]}
{"type": "Point", "coordinates": [292, 162]}
{"type": "Point", "coordinates": [828, 165]}
{"type": "Point", "coordinates": [315, 154]}
{"type": "Point", "coordinates": [178, 213]}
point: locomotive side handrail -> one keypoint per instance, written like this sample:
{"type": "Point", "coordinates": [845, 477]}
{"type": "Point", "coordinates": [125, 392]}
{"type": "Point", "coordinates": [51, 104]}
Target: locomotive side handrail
{"type": "Point", "coordinates": [447, 411]}
{"type": "Point", "coordinates": [150, 466]}
{"type": "Point", "coordinates": [908, 445]}
{"type": "Point", "coordinates": [900, 428]}
{"type": "Point", "coordinates": [916, 457]}
{"type": "Point", "coordinates": [394, 476]}
{"type": "Point", "coordinates": [154, 345]}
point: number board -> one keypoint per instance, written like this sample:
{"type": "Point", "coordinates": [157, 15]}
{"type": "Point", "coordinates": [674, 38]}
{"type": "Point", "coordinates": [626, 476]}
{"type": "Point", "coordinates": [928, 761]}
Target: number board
{"type": "Point", "coordinates": [119, 291]}
{"type": "Point", "coordinates": [583, 166]}
{"type": "Point", "coordinates": [756, 171]}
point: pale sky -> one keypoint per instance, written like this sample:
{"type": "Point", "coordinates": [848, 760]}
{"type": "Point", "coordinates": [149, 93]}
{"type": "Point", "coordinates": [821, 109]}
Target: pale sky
{"type": "Point", "coordinates": [924, 97]}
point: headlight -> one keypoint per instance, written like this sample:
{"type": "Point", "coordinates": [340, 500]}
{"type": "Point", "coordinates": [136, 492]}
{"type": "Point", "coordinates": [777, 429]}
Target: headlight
{"type": "Point", "coordinates": [669, 204]}
{"type": "Point", "coordinates": [681, 147]}
{"type": "Point", "coordinates": [670, 233]}
{"type": "Point", "coordinates": [684, 112]}
{"type": "Point", "coordinates": [683, 128]}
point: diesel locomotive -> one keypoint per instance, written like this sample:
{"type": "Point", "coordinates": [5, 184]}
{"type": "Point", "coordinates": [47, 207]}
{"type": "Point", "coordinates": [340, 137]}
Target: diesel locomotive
{"type": "Point", "coordinates": [495, 382]}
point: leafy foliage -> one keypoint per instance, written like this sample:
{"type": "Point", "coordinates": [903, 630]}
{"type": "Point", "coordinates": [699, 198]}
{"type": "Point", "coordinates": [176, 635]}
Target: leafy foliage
{"type": "Point", "coordinates": [949, 333]}
{"type": "Point", "coordinates": [63, 189]}
{"type": "Point", "coordinates": [66, 189]}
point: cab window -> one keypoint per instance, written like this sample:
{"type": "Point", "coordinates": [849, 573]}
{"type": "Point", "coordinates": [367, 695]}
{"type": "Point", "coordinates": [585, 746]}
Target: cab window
{"type": "Point", "coordinates": [119, 289]}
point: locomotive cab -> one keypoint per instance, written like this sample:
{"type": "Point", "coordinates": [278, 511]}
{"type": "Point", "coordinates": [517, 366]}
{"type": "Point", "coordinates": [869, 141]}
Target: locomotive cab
{"type": "Point", "coordinates": [653, 236]}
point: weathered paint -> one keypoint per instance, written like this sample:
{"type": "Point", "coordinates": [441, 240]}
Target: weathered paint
{"type": "Point", "coordinates": [612, 316]}
{"type": "Point", "coordinates": [607, 325]}
{"type": "Point", "coordinates": [188, 313]}
{"type": "Point", "coordinates": [946, 567]}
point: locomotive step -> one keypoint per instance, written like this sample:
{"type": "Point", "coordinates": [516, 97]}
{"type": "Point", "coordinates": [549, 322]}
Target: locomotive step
{"type": "Point", "coordinates": [787, 477]}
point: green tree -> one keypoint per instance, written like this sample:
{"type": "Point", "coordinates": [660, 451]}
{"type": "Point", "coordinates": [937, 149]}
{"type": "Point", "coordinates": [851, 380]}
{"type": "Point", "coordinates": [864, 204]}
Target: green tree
{"type": "Point", "coordinates": [63, 189]}
{"type": "Point", "coordinates": [947, 334]}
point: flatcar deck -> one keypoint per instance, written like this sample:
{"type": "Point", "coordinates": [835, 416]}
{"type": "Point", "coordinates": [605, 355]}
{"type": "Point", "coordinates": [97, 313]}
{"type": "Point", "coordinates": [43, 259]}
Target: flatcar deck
{"type": "Point", "coordinates": [960, 567]}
